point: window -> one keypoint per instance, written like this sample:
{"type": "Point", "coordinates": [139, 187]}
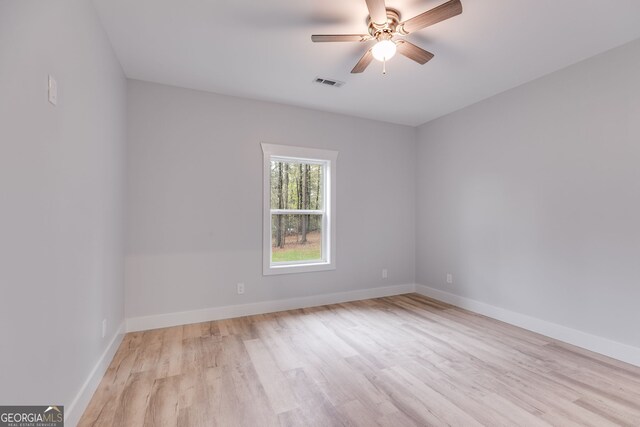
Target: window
{"type": "Point", "coordinates": [299, 209]}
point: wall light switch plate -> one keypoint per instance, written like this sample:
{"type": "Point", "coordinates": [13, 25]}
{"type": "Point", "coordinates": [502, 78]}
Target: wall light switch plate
{"type": "Point", "coordinates": [449, 278]}
{"type": "Point", "coordinates": [240, 288]}
{"type": "Point", "coordinates": [53, 91]}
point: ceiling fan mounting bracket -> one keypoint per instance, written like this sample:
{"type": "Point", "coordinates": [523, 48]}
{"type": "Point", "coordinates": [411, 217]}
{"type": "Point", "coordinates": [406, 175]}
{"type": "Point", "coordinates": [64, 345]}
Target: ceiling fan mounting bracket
{"type": "Point", "coordinates": [389, 27]}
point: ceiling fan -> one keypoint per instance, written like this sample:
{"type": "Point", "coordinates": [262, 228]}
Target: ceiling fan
{"type": "Point", "coordinates": [384, 26]}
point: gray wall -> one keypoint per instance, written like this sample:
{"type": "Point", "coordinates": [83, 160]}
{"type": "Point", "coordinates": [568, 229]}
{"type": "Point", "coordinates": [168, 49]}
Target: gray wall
{"type": "Point", "coordinates": [195, 199]}
{"type": "Point", "coordinates": [532, 198]}
{"type": "Point", "coordinates": [61, 198]}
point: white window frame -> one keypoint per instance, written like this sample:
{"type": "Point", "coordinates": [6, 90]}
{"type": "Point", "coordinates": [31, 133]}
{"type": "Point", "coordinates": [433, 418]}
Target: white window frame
{"type": "Point", "coordinates": [328, 159]}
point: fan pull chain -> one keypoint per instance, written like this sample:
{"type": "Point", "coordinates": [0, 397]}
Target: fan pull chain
{"type": "Point", "coordinates": [384, 65]}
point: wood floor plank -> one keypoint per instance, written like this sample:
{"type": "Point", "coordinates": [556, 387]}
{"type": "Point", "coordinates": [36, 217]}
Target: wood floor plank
{"type": "Point", "coordinates": [515, 411]}
{"type": "Point", "coordinates": [404, 360]}
{"type": "Point", "coordinates": [279, 343]}
{"type": "Point", "coordinates": [273, 381]}
{"type": "Point", "coordinates": [102, 412]}
{"type": "Point", "coordinates": [162, 407]}
{"type": "Point", "coordinates": [396, 419]}
{"type": "Point", "coordinates": [148, 351]}
{"type": "Point", "coordinates": [170, 358]}
{"type": "Point", "coordinates": [357, 414]}
{"type": "Point", "coordinates": [459, 390]}
{"type": "Point", "coordinates": [447, 411]}
{"type": "Point", "coordinates": [132, 404]}
{"type": "Point", "coordinates": [314, 408]}
{"type": "Point", "coordinates": [617, 415]}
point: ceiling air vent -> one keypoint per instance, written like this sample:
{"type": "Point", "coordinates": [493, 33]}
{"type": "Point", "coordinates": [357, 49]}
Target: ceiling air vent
{"type": "Point", "coordinates": [328, 82]}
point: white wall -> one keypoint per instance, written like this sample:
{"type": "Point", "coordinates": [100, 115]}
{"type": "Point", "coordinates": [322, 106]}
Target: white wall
{"type": "Point", "coordinates": [532, 198]}
{"type": "Point", "coordinates": [195, 199]}
{"type": "Point", "coordinates": [61, 198]}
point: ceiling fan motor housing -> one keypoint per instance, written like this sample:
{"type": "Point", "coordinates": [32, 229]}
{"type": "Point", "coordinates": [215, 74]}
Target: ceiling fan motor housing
{"type": "Point", "coordinates": [388, 28]}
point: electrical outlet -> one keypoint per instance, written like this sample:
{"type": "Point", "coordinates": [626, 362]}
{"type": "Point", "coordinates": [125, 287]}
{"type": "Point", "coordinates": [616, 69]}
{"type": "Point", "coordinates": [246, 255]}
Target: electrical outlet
{"type": "Point", "coordinates": [104, 328]}
{"type": "Point", "coordinates": [385, 273]}
{"type": "Point", "coordinates": [240, 288]}
{"type": "Point", "coordinates": [449, 278]}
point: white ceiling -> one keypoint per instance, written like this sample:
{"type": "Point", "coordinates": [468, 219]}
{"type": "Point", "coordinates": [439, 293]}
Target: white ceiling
{"type": "Point", "coordinates": [262, 49]}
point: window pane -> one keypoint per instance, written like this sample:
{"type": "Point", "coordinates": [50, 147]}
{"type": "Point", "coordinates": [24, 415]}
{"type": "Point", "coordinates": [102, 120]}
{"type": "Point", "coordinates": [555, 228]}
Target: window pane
{"type": "Point", "coordinates": [296, 185]}
{"type": "Point", "coordinates": [296, 238]}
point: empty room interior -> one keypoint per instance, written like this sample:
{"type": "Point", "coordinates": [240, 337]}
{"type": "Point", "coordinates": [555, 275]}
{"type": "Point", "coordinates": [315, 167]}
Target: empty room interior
{"type": "Point", "coordinates": [319, 213]}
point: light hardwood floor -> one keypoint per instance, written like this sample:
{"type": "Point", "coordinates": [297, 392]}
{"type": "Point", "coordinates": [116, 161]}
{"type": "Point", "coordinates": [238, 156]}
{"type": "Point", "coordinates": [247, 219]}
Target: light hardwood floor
{"type": "Point", "coordinates": [397, 361]}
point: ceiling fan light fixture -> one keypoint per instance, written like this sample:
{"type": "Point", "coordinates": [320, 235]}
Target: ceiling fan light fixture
{"type": "Point", "coordinates": [384, 50]}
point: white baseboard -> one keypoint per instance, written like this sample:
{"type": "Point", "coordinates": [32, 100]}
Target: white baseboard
{"type": "Point", "coordinates": [614, 349]}
{"type": "Point", "coordinates": [74, 411]}
{"type": "Point", "coordinates": [226, 312]}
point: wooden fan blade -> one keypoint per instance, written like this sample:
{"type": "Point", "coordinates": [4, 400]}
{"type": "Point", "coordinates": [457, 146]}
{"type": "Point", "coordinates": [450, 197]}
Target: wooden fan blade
{"type": "Point", "coordinates": [414, 52]}
{"type": "Point", "coordinates": [433, 16]}
{"type": "Point", "coordinates": [340, 38]}
{"type": "Point", "coordinates": [377, 11]}
{"type": "Point", "coordinates": [363, 63]}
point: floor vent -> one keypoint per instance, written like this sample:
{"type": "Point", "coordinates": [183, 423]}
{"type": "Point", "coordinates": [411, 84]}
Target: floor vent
{"type": "Point", "coordinates": [328, 82]}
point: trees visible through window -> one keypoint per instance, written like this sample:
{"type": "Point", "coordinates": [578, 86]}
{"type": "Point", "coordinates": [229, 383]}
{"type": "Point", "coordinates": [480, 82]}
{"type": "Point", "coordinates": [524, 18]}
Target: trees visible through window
{"type": "Point", "coordinates": [299, 209]}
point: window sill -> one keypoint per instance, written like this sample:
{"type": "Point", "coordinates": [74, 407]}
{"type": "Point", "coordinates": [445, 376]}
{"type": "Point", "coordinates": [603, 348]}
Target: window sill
{"type": "Point", "coordinates": [297, 268]}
